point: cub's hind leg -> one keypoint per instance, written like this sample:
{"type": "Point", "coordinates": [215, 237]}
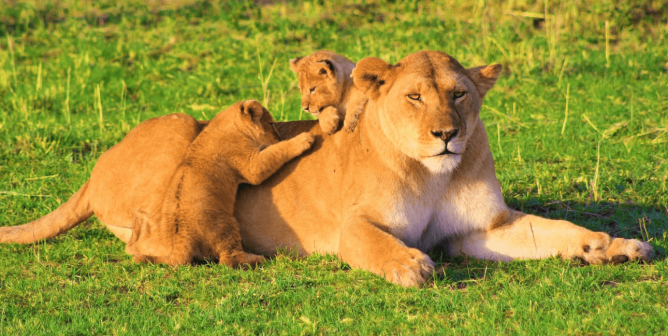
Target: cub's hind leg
{"type": "Point", "coordinates": [181, 253]}
{"type": "Point", "coordinates": [169, 260]}
{"type": "Point", "coordinates": [228, 245]}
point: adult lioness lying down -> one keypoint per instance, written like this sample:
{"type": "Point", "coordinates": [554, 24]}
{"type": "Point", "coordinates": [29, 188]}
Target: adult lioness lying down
{"type": "Point", "coordinates": [417, 170]}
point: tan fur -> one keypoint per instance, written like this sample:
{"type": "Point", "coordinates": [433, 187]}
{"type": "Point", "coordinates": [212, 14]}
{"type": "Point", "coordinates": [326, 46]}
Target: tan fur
{"type": "Point", "coordinates": [129, 181]}
{"type": "Point", "coordinates": [403, 182]}
{"type": "Point", "coordinates": [400, 184]}
{"type": "Point", "coordinates": [240, 145]}
{"type": "Point", "coordinates": [328, 90]}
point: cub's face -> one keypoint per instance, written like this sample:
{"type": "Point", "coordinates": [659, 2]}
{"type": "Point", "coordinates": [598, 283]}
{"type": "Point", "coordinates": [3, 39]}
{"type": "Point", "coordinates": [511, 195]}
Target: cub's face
{"type": "Point", "coordinates": [318, 83]}
{"type": "Point", "coordinates": [256, 122]}
{"type": "Point", "coordinates": [429, 104]}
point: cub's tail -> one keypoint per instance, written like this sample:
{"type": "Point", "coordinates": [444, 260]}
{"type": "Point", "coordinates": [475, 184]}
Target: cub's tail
{"type": "Point", "coordinates": [76, 210]}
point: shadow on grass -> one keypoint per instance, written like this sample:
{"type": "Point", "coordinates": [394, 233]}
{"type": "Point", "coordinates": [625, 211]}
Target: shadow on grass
{"type": "Point", "coordinates": [626, 220]}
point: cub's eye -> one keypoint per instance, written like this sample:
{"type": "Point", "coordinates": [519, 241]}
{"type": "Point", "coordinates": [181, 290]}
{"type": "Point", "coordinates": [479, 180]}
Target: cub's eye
{"type": "Point", "coordinates": [458, 95]}
{"type": "Point", "coordinates": [312, 89]}
{"type": "Point", "coordinates": [414, 96]}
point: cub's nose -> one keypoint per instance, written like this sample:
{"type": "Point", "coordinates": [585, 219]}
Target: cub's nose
{"type": "Point", "coordinates": [446, 135]}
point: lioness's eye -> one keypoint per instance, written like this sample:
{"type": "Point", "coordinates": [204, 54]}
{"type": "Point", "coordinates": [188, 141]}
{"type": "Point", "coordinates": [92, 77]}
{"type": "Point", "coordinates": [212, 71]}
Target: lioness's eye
{"type": "Point", "coordinates": [457, 95]}
{"type": "Point", "coordinates": [414, 96]}
{"type": "Point", "coordinates": [312, 89]}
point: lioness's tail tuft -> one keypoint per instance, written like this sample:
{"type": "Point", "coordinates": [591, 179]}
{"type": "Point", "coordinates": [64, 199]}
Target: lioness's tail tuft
{"type": "Point", "coordinates": [76, 210]}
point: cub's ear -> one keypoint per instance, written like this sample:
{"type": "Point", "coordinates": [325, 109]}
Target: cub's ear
{"type": "Point", "coordinates": [294, 62]}
{"type": "Point", "coordinates": [329, 69]}
{"type": "Point", "coordinates": [484, 77]}
{"type": "Point", "coordinates": [370, 74]}
{"type": "Point", "coordinates": [252, 108]}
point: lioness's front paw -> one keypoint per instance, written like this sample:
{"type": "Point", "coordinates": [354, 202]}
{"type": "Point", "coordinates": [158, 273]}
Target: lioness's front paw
{"type": "Point", "coordinates": [622, 250]}
{"type": "Point", "coordinates": [599, 248]}
{"type": "Point", "coordinates": [329, 120]}
{"type": "Point", "coordinates": [411, 268]}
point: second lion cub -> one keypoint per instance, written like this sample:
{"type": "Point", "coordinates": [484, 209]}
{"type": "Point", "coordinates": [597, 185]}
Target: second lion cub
{"type": "Point", "coordinates": [240, 145]}
{"type": "Point", "coordinates": [328, 91]}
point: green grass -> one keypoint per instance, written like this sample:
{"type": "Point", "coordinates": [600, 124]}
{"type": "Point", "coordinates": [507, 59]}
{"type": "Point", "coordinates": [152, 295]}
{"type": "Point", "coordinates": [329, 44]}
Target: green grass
{"type": "Point", "coordinates": [75, 77]}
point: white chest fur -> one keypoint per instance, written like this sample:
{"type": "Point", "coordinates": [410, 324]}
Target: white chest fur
{"type": "Point", "coordinates": [441, 211]}
{"type": "Point", "coordinates": [412, 213]}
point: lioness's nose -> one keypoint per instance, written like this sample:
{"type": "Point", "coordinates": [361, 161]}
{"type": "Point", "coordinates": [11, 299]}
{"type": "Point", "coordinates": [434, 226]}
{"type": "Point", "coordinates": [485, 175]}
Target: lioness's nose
{"type": "Point", "coordinates": [446, 135]}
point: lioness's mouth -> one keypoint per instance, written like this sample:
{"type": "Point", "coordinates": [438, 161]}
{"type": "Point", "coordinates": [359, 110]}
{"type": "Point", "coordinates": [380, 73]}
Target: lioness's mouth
{"type": "Point", "coordinates": [446, 152]}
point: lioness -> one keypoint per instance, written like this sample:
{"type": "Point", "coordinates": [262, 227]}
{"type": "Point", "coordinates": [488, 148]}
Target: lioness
{"type": "Point", "coordinates": [239, 145]}
{"type": "Point", "coordinates": [328, 90]}
{"type": "Point", "coordinates": [416, 171]}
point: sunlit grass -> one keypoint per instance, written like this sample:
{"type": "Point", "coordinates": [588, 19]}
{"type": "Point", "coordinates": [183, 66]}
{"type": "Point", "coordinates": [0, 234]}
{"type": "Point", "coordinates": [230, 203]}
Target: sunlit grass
{"type": "Point", "coordinates": [578, 126]}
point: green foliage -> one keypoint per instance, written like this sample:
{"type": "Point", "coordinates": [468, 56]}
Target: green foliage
{"type": "Point", "coordinates": [76, 76]}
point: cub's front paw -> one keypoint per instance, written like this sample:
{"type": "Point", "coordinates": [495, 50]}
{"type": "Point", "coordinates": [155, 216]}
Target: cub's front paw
{"type": "Point", "coordinates": [303, 141]}
{"type": "Point", "coordinates": [329, 120]}
{"type": "Point", "coordinates": [410, 268]}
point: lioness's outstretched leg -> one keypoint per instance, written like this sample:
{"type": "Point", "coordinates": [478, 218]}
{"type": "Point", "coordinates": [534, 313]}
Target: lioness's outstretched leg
{"type": "Point", "coordinates": [522, 236]}
{"type": "Point", "coordinates": [363, 244]}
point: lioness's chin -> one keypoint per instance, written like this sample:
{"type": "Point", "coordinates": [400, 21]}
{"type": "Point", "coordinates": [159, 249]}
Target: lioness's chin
{"type": "Point", "coordinates": [442, 164]}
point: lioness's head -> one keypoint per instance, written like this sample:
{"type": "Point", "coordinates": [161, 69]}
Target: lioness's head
{"type": "Point", "coordinates": [428, 103]}
{"type": "Point", "coordinates": [322, 79]}
{"type": "Point", "coordinates": [254, 121]}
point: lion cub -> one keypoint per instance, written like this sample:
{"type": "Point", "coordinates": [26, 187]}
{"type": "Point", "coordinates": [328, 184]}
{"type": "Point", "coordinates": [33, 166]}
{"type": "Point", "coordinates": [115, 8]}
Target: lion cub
{"type": "Point", "coordinates": [240, 145]}
{"type": "Point", "coordinates": [328, 91]}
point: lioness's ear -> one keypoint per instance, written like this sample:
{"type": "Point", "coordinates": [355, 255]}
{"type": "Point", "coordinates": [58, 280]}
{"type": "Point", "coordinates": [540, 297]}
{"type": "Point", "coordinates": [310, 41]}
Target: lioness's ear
{"type": "Point", "coordinates": [252, 108]}
{"type": "Point", "coordinates": [484, 77]}
{"type": "Point", "coordinates": [370, 74]}
{"type": "Point", "coordinates": [293, 63]}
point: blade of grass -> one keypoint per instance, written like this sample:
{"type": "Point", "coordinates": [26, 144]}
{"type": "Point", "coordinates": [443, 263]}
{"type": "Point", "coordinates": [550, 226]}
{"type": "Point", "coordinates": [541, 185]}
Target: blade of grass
{"type": "Point", "coordinates": [68, 113]}
{"type": "Point", "coordinates": [594, 184]}
{"type": "Point", "coordinates": [99, 106]}
{"type": "Point", "coordinates": [563, 128]}
{"type": "Point", "coordinates": [607, 44]}
{"type": "Point", "coordinates": [10, 45]}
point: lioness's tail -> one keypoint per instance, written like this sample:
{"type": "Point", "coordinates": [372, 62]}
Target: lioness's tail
{"type": "Point", "coordinates": [76, 210]}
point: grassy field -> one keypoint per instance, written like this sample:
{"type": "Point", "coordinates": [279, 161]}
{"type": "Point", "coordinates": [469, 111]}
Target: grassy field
{"type": "Point", "coordinates": [578, 126]}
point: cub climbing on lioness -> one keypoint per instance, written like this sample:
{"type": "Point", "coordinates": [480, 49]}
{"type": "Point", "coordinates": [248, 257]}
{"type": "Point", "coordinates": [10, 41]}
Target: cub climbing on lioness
{"type": "Point", "coordinates": [328, 90]}
{"type": "Point", "coordinates": [168, 188]}
{"type": "Point", "coordinates": [240, 145]}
